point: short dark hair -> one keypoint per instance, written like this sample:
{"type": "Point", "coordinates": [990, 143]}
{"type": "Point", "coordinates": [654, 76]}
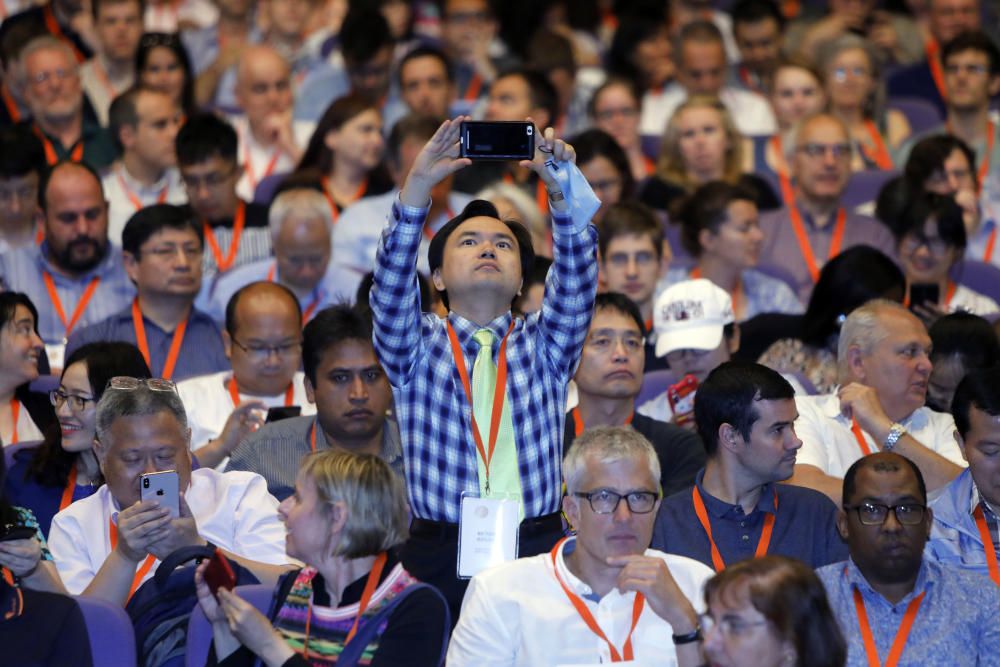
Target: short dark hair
{"type": "Point", "coordinates": [728, 394]}
{"type": "Point", "coordinates": [595, 143]}
{"type": "Point", "coordinates": [754, 11]}
{"type": "Point", "coordinates": [329, 328]}
{"type": "Point", "coordinates": [234, 302]}
{"type": "Point", "coordinates": [21, 153]}
{"type": "Point", "coordinates": [979, 388]}
{"type": "Point", "coordinates": [363, 34]}
{"type": "Point", "coordinates": [204, 136]}
{"type": "Point", "coordinates": [475, 209]}
{"type": "Point", "coordinates": [124, 112]}
{"type": "Point", "coordinates": [549, 51]}
{"type": "Point", "coordinates": [922, 207]}
{"type": "Point", "coordinates": [627, 218]}
{"type": "Point", "coordinates": [707, 209]}
{"type": "Point", "coordinates": [701, 31]}
{"type": "Point", "coordinates": [410, 126]}
{"type": "Point", "coordinates": [541, 91]}
{"type": "Point", "coordinates": [539, 273]}
{"type": "Point", "coordinates": [969, 336]}
{"type": "Point", "coordinates": [152, 219]}
{"type": "Point", "coordinates": [928, 156]}
{"type": "Point", "coordinates": [95, 6]}
{"type": "Point", "coordinates": [973, 40]}
{"type": "Point", "coordinates": [851, 476]}
{"type": "Point", "coordinates": [425, 51]}
{"type": "Point", "coordinates": [622, 305]}
{"type": "Point", "coordinates": [48, 174]}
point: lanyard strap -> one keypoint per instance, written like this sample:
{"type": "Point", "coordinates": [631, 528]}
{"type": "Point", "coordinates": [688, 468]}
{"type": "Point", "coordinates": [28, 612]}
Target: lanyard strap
{"type": "Point", "coordinates": [899, 643]}
{"type": "Point", "coordinates": [366, 596]}
{"type": "Point", "coordinates": [991, 552]}
{"type": "Point", "coordinates": [56, 30]}
{"type": "Point", "coordinates": [578, 421]}
{"type": "Point", "coordinates": [234, 393]}
{"type": "Point", "coordinates": [787, 193]}
{"type": "Point", "coordinates": [239, 220]}
{"type": "Point", "coordinates": [762, 544]}
{"type": "Point", "coordinates": [931, 48]}
{"type": "Point", "coordinates": [51, 157]}
{"type": "Point", "coordinates": [472, 90]}
{"type": "Point", "coordinates": [308, 311]}
{"type": "Point", "coordinates": [807, 253]}
{"type": "Point", "coordinates": [428, 232]}
{"type": "Point", "coordinates": [499, 391]}
{"type": "Point", "coordinates": [134, 198]}
{"type": "Point", "coordinates": [140, 338]}
{"type": "Point", "coordinates": [143, 569]}
{"type": "Point", "coordinates": [50, 286]}
{"type": "Point", "coordinates": [268, 170]}
{"type": "Point", "coordinates": [588, 618]}
{"type": "Point", "coordinates": [67, 494]}
{"type": "Point", "coordinates": [541, 194]}
{"type": "Point", "coordinates": [990, 242]}
{"type": "Point", "coordinates": [15, 412]}
{"type": "Point", "coordinates": [881, 153]}
{"type": "Point", "coordinates": [334, 209]}
{"type": "Point", "coordinates": [856, 430]}
{"type": "Point", "coordinates": [312, 436]}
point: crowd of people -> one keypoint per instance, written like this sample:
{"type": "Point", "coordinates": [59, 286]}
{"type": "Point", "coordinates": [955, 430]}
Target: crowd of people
{"type": "Point", "coordinates": [710, 376]}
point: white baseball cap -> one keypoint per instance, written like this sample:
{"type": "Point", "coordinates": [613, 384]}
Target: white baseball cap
{"type": "Point", "coordinates": [691, 315]}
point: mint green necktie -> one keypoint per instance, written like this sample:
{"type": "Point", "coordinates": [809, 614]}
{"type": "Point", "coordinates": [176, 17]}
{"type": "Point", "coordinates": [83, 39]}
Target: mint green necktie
{"type": "Point", "coordinates": [504, 478]}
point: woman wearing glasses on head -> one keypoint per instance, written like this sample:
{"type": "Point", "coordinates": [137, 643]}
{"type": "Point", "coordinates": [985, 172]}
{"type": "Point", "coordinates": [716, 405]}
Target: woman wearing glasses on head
{"type": "Point", "coordinates": [162, 63]}
{"type": "Point", "coordinates": [63, 469]}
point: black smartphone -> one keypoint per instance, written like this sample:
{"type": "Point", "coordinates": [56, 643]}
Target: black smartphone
{"type": "Point", "coordinates": [276, 414]}
{"type": "Point", "coordinates": [14, 532]}
{"type": "Point", "coordinates": [497, 140]}
{"type": "Point", "coordinates": [922, 293]}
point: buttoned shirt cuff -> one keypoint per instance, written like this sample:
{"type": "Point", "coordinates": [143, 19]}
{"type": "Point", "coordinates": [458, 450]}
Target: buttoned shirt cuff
{"type": "Point", "coordinates": [410, 215]}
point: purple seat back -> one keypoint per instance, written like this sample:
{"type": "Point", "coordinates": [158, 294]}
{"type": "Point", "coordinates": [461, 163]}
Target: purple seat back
{"type": "Point", "coordinates": [112, 638]}
{"type": "Point", "coordinates": [978, 276]}
{"type": "Point", "coordinates": [864, 186]}
{"type": "Point", "coordinates": [654, 383]}
{"type": "Point", "coordinates": [650, 145]}
{"type": "Point", "coordinates": [267, 187]}
{"type": "Point", "coordinates": [199, 634]}
{"type": "Point", "coordinates": [921, 114]}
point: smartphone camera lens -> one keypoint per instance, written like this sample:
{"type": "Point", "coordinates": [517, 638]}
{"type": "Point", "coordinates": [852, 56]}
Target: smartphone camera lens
{"type": "Point", "coordinates": [145, 483]}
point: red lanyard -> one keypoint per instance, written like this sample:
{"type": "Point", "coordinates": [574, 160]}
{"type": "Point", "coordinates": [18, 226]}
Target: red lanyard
{"type": "Point", "coordinates": [8, 101]}
{"type": "Point", "coordinates": [948, 295]}
{"type": "Point", "coordinates": [990, 242]}
{"type": "Point", "coordinates": [53, 27]}
{"type": "Point", "coordinates": [312, 436]}
{"type": "Point", "coordinates": [234, 393]}
{"type": "Point", "coordinates": [499, 391]}
{"type": "Point", "coordinates": [856, 430]}
{"type": "Point", "coordinates": [238, 221]}
{"type": "Point", "coordinates": [334, 209]}
{"type": "Point", "coordinates": [931, 48]}
{"type": "Point", "coordinates": [747, 79]}
{"type": "Point", "coordinates": [800, 235]}
{"type": "Point", "coordinates": [736, 295]}
{"type": "Point", "coordinates": [50, 285]}
{"type": "Point", "coordinates": [67, 494]}
{"type": "Point", "coordinates": [881, 153]}
{"type": "Point", "coordinates": [991, 552]}
{"type": "Point", "coordinates": [140, 338]}
{"type": "Point", "coordinates": [307, 313]}
{"type": "Point", "coordinates": [588, 618]}
{"type": "Point", "coordinates": [134, 198]}
{"type": "Point", "coordinates": [899, 643]}
{"type": "Point", "coordinates": [787, 193]}
{"type": "Point", "coordinates": [472, 90]}
{"type": "Point", "coordinates": [268, 170]}
{"type": "Point", "coordinates": [15, 412]}
{"type": "Point", "coordinates": [578, 421]}
{"type": "Point", "coordinates": [143, 569]}
{"type": "Point", "coordinates": [51, 157]}
{"type": "Point", "coordinates": [762, 543]}
{"type": "Point", "coordinates": [648, 165]}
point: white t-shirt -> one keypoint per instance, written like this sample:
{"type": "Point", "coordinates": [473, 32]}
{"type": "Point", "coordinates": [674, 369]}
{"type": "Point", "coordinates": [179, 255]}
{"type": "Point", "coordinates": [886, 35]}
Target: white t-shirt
{"type": "Point", "coordinates": [750, 112]}
{"type": "Point", "coordinates": [120, 189]}
{"type": "Point", "coordinates": [971, 302]}
{"type": "Point", "coordinates": [256, 158]}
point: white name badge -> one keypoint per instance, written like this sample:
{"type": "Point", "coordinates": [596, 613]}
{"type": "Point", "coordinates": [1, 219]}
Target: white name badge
{"type": "Point", "coordinates": [56, 353]}
{"type": "Point", "coordinates": [487, 533]}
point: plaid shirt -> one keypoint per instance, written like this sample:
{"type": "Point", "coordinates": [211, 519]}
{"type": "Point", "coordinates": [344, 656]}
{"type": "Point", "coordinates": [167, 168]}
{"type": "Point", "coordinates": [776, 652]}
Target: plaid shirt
{"type": "Point", "coordinates": [433, 412]}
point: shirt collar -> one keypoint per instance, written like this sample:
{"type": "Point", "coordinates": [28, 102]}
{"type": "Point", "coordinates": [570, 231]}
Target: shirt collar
{"type": "Point", "coordinates": [830, 407]}
{"type": "Point", "coordinates": [466, 329]}
{"type": "Point", "coordinates": [854, 577]}
{"type": "Point", "coordinates": [976, 498]}
{"type": "Point", "coordinates": [719, 508]}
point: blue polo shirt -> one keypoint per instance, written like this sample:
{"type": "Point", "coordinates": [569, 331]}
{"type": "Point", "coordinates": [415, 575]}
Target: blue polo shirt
{"type": "Point", "coordinates": [804, 526]}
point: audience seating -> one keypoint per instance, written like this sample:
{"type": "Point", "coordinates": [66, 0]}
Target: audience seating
{"type": "Point", "coordinates": [199, 635]}
{"type": "Point", "coordinates": [864, 186]}
{"type": "Point", "coordinates": [112, 637]}
{"type": "Point", "coordinates": [267, 187]}
{"type": "Point", "coordinates": [651, 145]}
{"type": "Point", "coordinates": [655, 383]}
{"type": "Point", "coordinates": [978, 276]}
{"type": "Point", "coordinates": [921, 114]}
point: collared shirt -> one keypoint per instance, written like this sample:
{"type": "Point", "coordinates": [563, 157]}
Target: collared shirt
{"type": "Point", "coordinates": [208, 403]}
{"type": "Point", "coordinates": [275, 451]}
{"type": "Point", "coordinates": [433, 411]}
{"type": "Point", "coordinates": [255, 245]}
{"type": "Point", "coordinates": [979, 240]}
{"type": "Point", "coordinates": [338, 284]}
{"type": "Point", "coordinates": [955, 538]}
{"type": "Point", "coordinates": [98, 146]}
{"type": "Point", "coordinates": [829, 444]}
{"type": "Point", "coordinates": [22, 271]}
{"type": "Point", "coordinates": [232, 510]}
{"type": "Point", "coordinates": [763, 293]}
{"type": "Point", "coordinates": [201, 350]}
{"type": "Point", "coordinates": [805, 526]}
{"type": "Point", "coordinates": [955, 626]}
{"type": "Point", "coordinates": [751, 112]}
{"type": "Point", "coordinates": [256, 158]}
{"type": "Point", "coordinates": [120, 188]}
{"type": "Point", "coordinates": [781, 247]}
{"type": "Point", "coordinates": [518, 614]}
{"type": "Point", "coordinates": [100, 89]}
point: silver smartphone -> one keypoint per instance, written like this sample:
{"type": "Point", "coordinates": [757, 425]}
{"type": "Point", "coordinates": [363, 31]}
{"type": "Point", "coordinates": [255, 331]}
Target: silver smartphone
{"type": "Point", "coordinates": [164, 488]}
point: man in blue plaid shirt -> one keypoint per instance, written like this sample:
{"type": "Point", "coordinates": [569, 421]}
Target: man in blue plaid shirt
{"type": "Point", "coordinates": [478, 262]}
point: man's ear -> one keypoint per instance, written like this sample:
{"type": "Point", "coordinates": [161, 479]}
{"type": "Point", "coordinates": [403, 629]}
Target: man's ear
{"type": "Point", "coordinates": [131, 263]}
{"type": "Point", "coordinates": [126, 136]}
{"type": "Point", "coordinates": [842, 524]}
{"type": "Point", "coordinates": [730, 438]}
{"type": "Point", "coordinates": [571, 508]}
{"type": "Point", "coordinates": [227, 344]}
{"type": "Point", "coordinates": [436, 279]}
{"type": "Point", "coordinates": [961, 443]}
{"type": "Point", "coordinates": [310, 390]}
{"type": "Point", "coordinates": [856, 363]}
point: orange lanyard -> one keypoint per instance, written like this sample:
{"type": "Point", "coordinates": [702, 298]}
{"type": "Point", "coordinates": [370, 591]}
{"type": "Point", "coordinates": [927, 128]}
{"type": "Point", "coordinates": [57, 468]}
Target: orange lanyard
{"type": "Point", "coordinates": [578, 421]}
{"type": "Point", "coordinates": [736, 295]}
{"type": "Point", "coordinates": [787, 193]}
{"type": "Point", "coordinates": [15, 412]}
{"type": "Point", "coordinates": [238, 221]}
{"type": "Point", "coordinates": [499, 391]}
{"type": "Point", "coordinates": [50, 285]}
{"type": "Point", "coordinates": [747, 79]}
{"type": "Point", "coordinates": [134, 198]}
{"type": "Point", "coordinates": [334, 209]}
{"type": "Point", "coordinates": [948, 295]}
{"type": "Point", "coordinates": [51, 157]}
{"type": "Point", "coordinates": [881, 153]}
{"type": "Point", "coordinates": [268, 170]}
{"type": "Point", "coordinates": [541, 194]}
{"type": "Point", "coordinates": [8, 101]}
{"type": "Point", "coordinates": [856, 430]}
{"type": "Point", "coordinates": [899, 643]}
{"type": "Point", "coordinates": [990, 242]}
{"type": "Point", "coordinates": [144, 569]}
{"type": "Point", "coordinates": [140, 339]}
{"type": "Point", "coordinates": [931, 48]}
{"type": "Point", "coordinates": [588, 618]}
{"type": "Point", "coordinates": [307, 313]}
{"type": "Point", "coordinates": [234, 393]}
{"type": "Point", "coordinates": [991, 552]}
{"type": "Point", "coordinates": [312, 437]}
{"type": "Point", "coordinates": [762, 544]}
{"type": "Point", "coordinates": [472, 90]}
{"type": "Point", "coordinates": [648, 165]}
{"type": "Point", "coordinates": [53, 27]}
{"type": "Point", "coordinates": [800, 235]}
{"type": "Point", "coordinates": [67, 494]}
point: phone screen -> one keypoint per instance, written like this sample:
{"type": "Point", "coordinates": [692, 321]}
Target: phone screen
{"type": "Point", "coordinates": [497, 140]}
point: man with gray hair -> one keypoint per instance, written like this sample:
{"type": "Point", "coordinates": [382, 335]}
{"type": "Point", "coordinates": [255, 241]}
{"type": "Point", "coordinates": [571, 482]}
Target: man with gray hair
{"type": "Point", "coordinates": [542, 610]}
{"type": "Point", "coordinates": [107, 545]}
{"type": "Point", "coordinates": [301, 231]}
{"type": "Point", "coordinates": [884, 370]}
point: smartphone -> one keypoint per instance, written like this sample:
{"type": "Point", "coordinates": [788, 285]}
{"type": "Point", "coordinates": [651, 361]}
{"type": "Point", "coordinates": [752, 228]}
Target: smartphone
{"type": "Point", "coordinates": [276, 414]}
{"type": "Point", "coordinates": [681, 398]}
{"type": "Point", "coordinates": [219, 573]}
{"type": "Point", "coordinates": [922, 293]}
{"type": "Point", "coordinates": [15, 532]}
{"type": "Point", "coordinates": [497, 140]}
{"type": "Point", "coordinates": [163, 487]}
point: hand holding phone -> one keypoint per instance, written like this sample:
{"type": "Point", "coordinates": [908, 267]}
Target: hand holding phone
{"type": "Point", "coordinates": [497, 140]}
{"type": "Point", "coordinates": [162, 487]}
{"type": "Point", "coordinates": [14, 532]}
{"type": "Point", "coordinates": [681, 398]}
{"type": "Point", "coordinates": [219, 573]}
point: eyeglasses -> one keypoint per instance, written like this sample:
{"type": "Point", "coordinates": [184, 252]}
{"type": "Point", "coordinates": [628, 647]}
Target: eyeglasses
{"type": "Point", "coordinates": [875, 514]}
{"type": "Point", "coordinates": [842, 73]}
{"type": "Point", "coordinates": [970, 68]}
{"type": "Point", "coordinates": [604, 501]}
{"type": "Point", "coordinates": [729, 626]}
{"type": "Point", "coordinates": [935, 245]}
{"type": "Point", "coordinates": [839, 151]}
{"type": "Point", "coordinates": [60, 74]}
{"type": "Point", "coordinates": [262, 352]}
{"type": "Point", "coordinates": [608, 114]}
{"type": "Point", "coordinates": [76, 403]}
{"type": "Point", "coordinates": [126, 383]}
{"type": "Point", "coordinates": [210, 180]}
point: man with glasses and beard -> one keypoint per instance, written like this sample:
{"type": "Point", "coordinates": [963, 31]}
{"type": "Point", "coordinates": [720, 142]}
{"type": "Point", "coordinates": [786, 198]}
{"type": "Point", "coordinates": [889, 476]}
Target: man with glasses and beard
{"type": "Point", "coordinates": [75, 276]}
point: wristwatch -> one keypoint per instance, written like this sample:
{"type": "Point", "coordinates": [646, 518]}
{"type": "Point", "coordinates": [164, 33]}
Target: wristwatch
{"type": "Point", "coordinates": [680, 640]}
{"type": "Point", "coordinates": [896, 431]}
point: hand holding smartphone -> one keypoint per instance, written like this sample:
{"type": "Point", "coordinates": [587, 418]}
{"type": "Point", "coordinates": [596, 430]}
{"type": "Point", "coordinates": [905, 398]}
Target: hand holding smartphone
{"type": "Point", "coordinates": [219, 574]}
{"type": "Point", "coordinates": [681, 398]}
{"type": "Point", "coordinates": [497, 140]}
{"type": "Point", "coordinates": [164, 488]}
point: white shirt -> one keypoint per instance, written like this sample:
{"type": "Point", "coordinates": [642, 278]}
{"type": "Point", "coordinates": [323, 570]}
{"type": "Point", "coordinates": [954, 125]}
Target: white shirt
{"type": "Point", "coordinates": [120, 189]}
{"type": "Point", "coordinates": [829, 444]}
{"type": "Point", "coordinates": [972, 302]}
{"type": "Point", "coordinates": [518, 614]}
{"type": "Point", "coordinates": [233, 510]}
{"type": "Point", "coordinates": [100, 89]}
{"type": "Point", "coordinates": [751, 113]}
{"type": "Point", "coordinates": [208, 403]}
{"type": "Point", "coordinates": [27, 429]}
{"type": "Point", "coordinates": [256, 158]}
{"type": "Point", "coordinates": [174, 16]}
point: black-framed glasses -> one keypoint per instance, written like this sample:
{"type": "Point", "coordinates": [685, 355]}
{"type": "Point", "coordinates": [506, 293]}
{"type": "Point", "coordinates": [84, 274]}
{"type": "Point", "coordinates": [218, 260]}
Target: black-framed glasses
{"type": "Point", "coordinates": [126, 383]}
{"type": "Point", "coordinates": [728, 626]}
{"type": "Point", "coordinates": [262, 352]}
{"type": "Point", "coordinates": [604, 501]}
{"type": "Point", "coordinates": [875, 514]}
{"type": "Point", "coordinates": [76, 403]}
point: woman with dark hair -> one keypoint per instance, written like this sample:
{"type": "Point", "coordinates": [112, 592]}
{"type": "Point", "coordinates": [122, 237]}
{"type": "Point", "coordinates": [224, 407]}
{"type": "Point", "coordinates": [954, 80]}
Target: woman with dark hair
{"type": "Point", "coordinates": [641, 52]}
{"type": "Point", "coordinates": [614, 107]}
{"type": "Point", "coordinates": [162, 63]}
{"type": "Point", "coordinates": [770, 612]}
{"type": "Point", "coordinates": [22, 418]}
{"type": "Point", "coordinates": [852, 278]}
{"type": "Point", "coordinates": [64, 468]}
{"type": "Point", "coordinates": [345, 153]}
{"type": "Point", "coordinates": [606, 168]}
{"type": "Point", "coordinates": [960, 342]}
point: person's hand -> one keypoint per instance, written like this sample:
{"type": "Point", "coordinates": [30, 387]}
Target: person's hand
{"type": "Point", "coordinates": [860, 402]}
{"type": "Point", "coordinates": [208, 603]}
{"type": "Point", "coordinates": [437, 160]}
{"type": "Point", "coordinates": [882, 33]}
{"type": "Point", "coordinates": [967, 199]}
{"type": "Point", "coordinates": [253, 629]}
{"type": "Point", "coordinates": [278, 127]}
{"type": "Point", "coordinates": [651, 577]}
{"type": "Point", "coordinates": [140, 526]}
{"type": "Point", "coordinates": [548, 149]}
{"type": "Point", "coordinates": [929, 313]}
{"type": "Point", "coordinates": [21, 557]}
{"type": "Point", "coordinates": [246, 418]}
{"type": "Point", "coordinates": [179, 532]}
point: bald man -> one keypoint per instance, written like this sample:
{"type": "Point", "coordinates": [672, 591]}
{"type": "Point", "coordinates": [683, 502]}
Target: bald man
{"type": "Point", "coordinates": [270, 142]}
{"type": "Point", "coordinates": [263, 341]}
